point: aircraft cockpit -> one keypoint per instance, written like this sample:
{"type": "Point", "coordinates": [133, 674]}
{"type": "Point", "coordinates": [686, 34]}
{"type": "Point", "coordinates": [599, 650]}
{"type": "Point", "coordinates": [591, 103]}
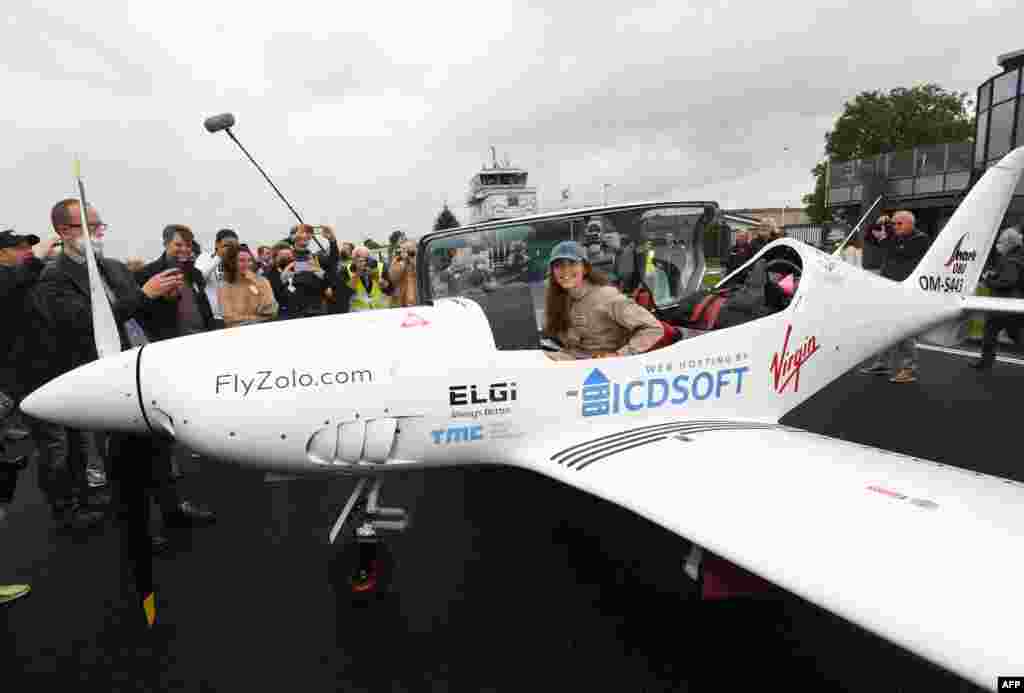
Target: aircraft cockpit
{"type": "Point", "coordinates": [653, 252]}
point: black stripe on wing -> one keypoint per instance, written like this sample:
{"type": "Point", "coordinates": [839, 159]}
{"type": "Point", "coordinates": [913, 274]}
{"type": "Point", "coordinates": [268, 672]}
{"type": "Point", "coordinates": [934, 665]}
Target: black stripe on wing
{"type": "Point", "coordinates": [582, 455]}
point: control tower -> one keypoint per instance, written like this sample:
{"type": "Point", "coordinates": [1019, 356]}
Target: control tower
{"type": "Point", "coordinates": [499, 191]}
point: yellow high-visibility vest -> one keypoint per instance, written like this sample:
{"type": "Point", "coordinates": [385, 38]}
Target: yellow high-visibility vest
{"type": "Point", "coordinates": [649, 268]}
{"type": "Point", "coordinates": [362, 300]}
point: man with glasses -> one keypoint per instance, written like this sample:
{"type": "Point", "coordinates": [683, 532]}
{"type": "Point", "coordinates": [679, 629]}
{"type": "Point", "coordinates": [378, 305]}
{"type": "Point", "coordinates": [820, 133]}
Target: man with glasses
{"type": "Point", "coordinates": [904, 247]}
{"type": "Point", "coordinates": [63, 302]}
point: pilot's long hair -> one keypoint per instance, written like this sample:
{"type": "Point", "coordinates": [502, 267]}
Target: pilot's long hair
{"type": "Point", "coordinates": [556, 300]}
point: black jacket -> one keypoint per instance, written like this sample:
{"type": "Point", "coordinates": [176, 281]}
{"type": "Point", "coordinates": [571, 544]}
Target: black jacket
{"type": "Point", "coordinates": [738, 255]}
{"type": "Point", "coordinates": [18, 338]}
{"type": "Point", "coordinates": [305, 291]}
{"type": "Point", "coordinates": [161, 321]}
{"type": "Point", "coordinates": [62, 301]}
{"type": "Point", "coordinates": [1007, 280]}
{"type": "Point", "coordinates": [273, 277]}
{"type": "Point", "coordinates": [902, 253]}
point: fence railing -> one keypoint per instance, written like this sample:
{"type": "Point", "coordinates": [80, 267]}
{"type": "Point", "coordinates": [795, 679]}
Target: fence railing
{"type": "Point", "coordinates": [933, 169]}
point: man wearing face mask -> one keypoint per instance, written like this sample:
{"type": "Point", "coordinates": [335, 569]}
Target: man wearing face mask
{"type": "Point", "coordinates": [63, 300]}
{"type": "Point", "coordinates": [587, 316]}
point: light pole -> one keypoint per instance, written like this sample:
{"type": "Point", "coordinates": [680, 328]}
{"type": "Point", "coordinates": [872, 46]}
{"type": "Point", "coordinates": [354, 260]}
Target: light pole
{"type": "Point", "coordinates": [785, 150]}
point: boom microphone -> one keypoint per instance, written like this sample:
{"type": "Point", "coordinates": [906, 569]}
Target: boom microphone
{"type": "Point", "coordinates": [225, 121]}
{"type": "Point", "coordinates": [219, 122]}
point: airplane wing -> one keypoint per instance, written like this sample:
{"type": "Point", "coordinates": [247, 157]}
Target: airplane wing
{"type": "Point", "coordinates": [993, 304]}
{"type": "Point", "coordinates": [926, 555]}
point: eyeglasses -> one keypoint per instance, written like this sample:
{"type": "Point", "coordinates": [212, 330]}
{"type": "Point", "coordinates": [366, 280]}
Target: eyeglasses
{"type": "Point", "coordinates": [95, 227]}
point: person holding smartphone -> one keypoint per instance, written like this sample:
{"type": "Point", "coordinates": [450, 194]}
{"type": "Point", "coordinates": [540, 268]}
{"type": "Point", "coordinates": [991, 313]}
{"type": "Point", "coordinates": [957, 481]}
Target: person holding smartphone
{"type": "Point", "coordinates": [185, 310]}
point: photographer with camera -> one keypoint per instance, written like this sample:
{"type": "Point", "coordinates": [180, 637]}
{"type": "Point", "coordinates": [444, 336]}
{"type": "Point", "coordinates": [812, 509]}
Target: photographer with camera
{"type": "Point", "coordinates": [402, 274]}
{"type": "Point", "coordinates": [369, 288]}
{"type": "Point", "coordinates": [904, 246]}
{"type": "Point", "coordinates": [311, 279]}
{"type": "Point", "coordinates": [1005, 278]}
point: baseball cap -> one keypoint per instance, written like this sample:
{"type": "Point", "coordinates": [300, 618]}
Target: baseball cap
{"type": "Point", "coordinates": [9, 239]}
{"type": "Point", "coordinates": [567, 250]}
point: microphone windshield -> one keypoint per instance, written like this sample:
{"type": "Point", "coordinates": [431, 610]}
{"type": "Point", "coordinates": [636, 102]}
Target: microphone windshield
{"type": "Point", "coordinates": [219, 122]}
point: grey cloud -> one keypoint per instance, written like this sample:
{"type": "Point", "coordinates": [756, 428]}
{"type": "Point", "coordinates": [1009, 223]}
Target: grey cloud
{"type": "Point", "coordinates": [326, 69]}
{"type": "Point", "coordinates": [41, 43]}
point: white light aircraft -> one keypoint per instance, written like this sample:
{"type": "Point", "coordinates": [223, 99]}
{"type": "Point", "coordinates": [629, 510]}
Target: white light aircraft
{"type": "Point", "coordinates": [686, 436]}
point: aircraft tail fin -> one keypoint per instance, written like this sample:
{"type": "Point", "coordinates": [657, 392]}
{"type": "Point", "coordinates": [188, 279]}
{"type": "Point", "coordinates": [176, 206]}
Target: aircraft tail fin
{"type": "Point", "coordinates": [955, 260]}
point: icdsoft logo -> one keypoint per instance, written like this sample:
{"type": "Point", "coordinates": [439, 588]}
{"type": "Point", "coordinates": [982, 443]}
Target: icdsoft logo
{"type": "Point", "coordinates": [601, 396]}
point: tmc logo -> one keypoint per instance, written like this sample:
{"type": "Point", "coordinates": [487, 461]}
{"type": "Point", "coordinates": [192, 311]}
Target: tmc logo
{"type": "Point", "coordinates": [457, 434]}
{"type": "Point", "coordinates": [601, 396]}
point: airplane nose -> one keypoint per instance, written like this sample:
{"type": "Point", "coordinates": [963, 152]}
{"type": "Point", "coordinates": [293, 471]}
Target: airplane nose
{"type": "Point", "coordinates": [102, 396]}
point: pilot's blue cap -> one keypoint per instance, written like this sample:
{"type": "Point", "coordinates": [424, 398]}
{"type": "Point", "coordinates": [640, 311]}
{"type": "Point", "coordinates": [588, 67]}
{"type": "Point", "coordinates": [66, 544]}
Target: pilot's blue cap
{"type": "Point", "coordinates": [567, 250]}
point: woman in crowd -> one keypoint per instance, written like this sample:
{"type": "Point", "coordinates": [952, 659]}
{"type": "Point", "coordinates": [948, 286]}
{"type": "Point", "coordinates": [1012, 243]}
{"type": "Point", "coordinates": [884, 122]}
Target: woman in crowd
{"type": "Point", "coordinates": [588, 317]}
{"type": "Point", "coordinates": [246, 297]}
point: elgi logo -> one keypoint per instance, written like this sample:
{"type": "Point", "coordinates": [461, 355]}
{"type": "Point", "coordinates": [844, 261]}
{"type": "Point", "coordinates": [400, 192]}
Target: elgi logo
{"type": "Point", "coordinates": [484, 394]}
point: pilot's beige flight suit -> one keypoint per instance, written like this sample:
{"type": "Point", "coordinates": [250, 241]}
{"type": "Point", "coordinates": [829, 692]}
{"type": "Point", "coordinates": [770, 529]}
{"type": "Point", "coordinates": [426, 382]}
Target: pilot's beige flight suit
{"type": "Point", "coordinates": [607, 323]}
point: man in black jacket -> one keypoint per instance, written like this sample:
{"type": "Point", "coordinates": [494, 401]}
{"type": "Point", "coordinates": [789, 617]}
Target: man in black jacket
{"type": "Point", "coordinates": [188, 311]}
{"type": "Point", "coordinates": [309, 278]}
{"type": "Point", "coordinates": [19, 271]}
{"type": "Point", "coordinates": [26, 366]}
{"type": "Point", "coordinates": [62, 298]}
{"type": "Point", "coordinates": [904, 247]}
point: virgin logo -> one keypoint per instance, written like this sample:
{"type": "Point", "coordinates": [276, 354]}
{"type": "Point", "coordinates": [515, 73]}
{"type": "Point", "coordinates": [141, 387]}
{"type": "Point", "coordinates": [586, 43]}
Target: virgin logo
{"type": "Point", "coordinates": [786, 366]}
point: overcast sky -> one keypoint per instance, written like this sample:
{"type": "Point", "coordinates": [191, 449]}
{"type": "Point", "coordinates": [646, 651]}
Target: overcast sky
{"type": "Point", "coordinates": [369, 116]}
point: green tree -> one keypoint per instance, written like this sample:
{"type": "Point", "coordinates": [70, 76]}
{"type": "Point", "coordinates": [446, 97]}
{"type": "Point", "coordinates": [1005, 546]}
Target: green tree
{"type": "Point", "coordinates": [396, 237]}
{"type": "Point", "coordinates": [372, 244]}
{"type": "Point", "coordinates": [875, 122]}
{"type": "Point", "coordinates": [445, 220]}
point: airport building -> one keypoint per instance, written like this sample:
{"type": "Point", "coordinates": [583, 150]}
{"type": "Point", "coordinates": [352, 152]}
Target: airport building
{"type": "Point", "coordinates": [930, 181]}
{"type": "Point", "coordinates": [499, 191]}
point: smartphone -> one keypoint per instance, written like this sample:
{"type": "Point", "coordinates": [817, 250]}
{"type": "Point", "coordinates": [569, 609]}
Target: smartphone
{"type": "Point", "coordinates": [303, 265]}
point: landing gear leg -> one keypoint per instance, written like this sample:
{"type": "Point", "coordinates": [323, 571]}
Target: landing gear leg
{"type": "Point", "coordinates": [368, 565]}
